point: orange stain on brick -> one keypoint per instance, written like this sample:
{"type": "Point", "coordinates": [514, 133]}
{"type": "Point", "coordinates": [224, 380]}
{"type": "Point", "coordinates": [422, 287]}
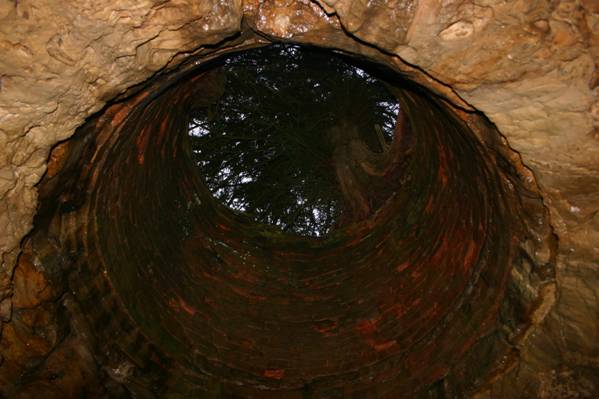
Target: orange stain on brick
{"type": "Point", "coordinates": [120, 115]}
{"type": "Point", "coordinates": [398, 310]}
{"type": "Point", "coordinates": [178, 305]}
{"type": "Point", "coordinates": [366, 327]}
{"type": "Point", "coordinates": [383, 346]}
{"type": "Point", "coordinates": [224, 227]}
{"type": "Point", "coordinates": [402, 267]}
{"type": "Point", "coordinates": [471, 255]}
{"type": "Point", "coordinates": [141, 144]}
{"type": "Point", "coordinates": [275, 374]}
{"type": "Point", "coordinates": [188, 309]}
{"type": "Point", "coordinates": [163, 127]}
{"type": "Point", "coordinates": [326, 327]}
{"type": "Point", "coordinates": [429, 205]}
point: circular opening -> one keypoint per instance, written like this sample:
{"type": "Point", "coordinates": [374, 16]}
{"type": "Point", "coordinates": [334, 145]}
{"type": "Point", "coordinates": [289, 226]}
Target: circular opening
{"type": "Point", "coordinates": [403, 295]}
{"type": "Point", "coordinates": [292, 137]}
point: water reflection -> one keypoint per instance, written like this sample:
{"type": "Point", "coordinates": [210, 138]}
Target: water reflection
{"type": "Point", "coordinates": [286, 134]}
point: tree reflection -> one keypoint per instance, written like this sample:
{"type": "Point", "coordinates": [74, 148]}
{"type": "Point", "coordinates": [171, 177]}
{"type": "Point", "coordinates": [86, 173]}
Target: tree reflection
{"type": "Point", "coordinates": [292, 136]}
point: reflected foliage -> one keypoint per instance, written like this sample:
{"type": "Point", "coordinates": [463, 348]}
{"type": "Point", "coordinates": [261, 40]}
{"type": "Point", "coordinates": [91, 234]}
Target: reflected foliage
{"type": "Point", "coordinates": [264, 145]}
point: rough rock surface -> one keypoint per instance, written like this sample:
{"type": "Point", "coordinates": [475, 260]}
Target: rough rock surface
{"type": "Point", "coordinates": [529, 66]}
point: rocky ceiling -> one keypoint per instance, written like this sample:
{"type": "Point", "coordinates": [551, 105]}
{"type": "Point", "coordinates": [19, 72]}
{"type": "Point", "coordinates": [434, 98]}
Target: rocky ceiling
{"type": "Point", "coordinates": [528, 66]}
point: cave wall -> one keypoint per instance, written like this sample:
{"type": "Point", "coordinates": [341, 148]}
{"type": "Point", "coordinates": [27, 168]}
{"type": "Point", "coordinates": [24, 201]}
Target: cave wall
{"type": "Point", "coordinates": [530, 66]}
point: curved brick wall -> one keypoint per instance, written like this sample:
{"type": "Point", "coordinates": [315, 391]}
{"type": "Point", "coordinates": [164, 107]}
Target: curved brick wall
{"type": "Point", "coordinates": [200, 297]}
